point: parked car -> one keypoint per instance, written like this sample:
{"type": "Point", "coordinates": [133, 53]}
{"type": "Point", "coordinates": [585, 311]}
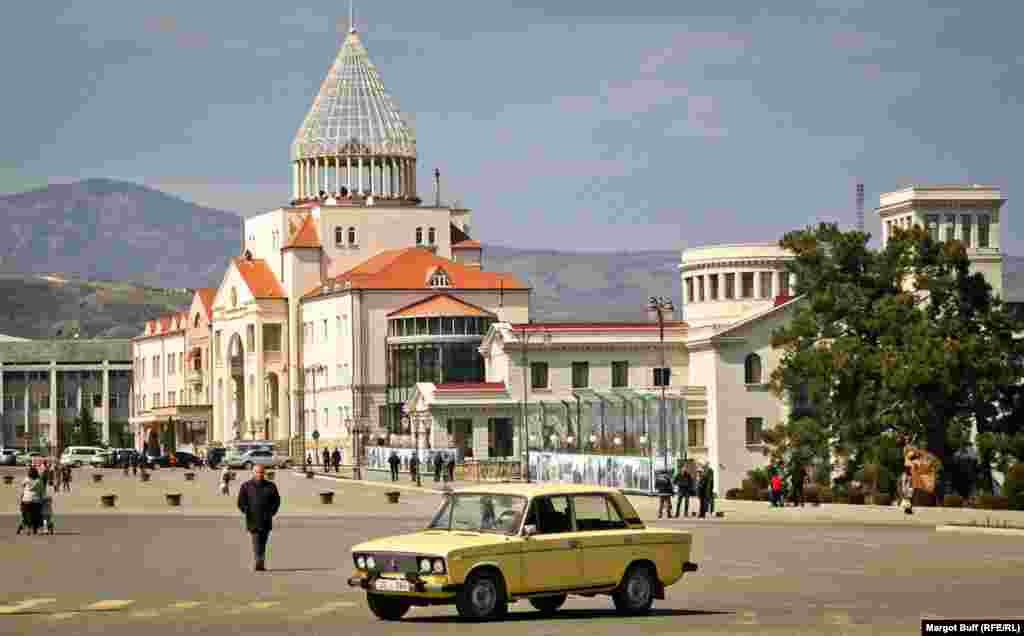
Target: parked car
{"type": "Point", "coordinates": [492, 545]}
{"type": "Point", "coordinates": [182, 459]}
{"type": "Point", "coordinates": [262, 457]}
{"type": "Point", "coordinates": [8, 457]}
{"type": "Point", "coordinates": [215, 456]}
{"type": "Point", "coordinates": [79, 455]}
{"type": "Point", "coordinates": [102, 459]}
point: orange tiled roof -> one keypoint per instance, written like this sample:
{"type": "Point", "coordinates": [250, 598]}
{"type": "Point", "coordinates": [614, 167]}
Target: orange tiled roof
{"type": "Point", "coordinates": [206, 295]}
{"type": "Point", "coordinates": [259, 278]}
{"type": "Point", "coordinates": [307, 236]}
{"type": "Point", "coordinates": [411, 268]}
{"type": "Point", "coordinates": [440, 305]}
{"type": "Point", "coordinates": [467, 244]}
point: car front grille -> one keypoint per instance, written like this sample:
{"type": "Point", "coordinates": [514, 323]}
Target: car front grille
{"type": "Point", "coordinates": [399, 563]}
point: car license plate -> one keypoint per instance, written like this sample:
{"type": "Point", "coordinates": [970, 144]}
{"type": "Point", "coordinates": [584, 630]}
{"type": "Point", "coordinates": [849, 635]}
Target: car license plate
{"type": "Point", "coordinates": [392, 585]}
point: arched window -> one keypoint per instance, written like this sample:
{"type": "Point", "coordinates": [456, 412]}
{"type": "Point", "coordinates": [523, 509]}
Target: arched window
{"type": "Point", "coordinates": [752, 369]}
{"type": "Point", "coordinates": [439, 278]}
{"type": "Point", "coordinates": [195, 323]}
{"type": "Point", "coordinates": [432, 236]}
{"type": "Point", "coordinates": [351, 236]}
{"type": "Point", "coordinates": [339, 235]}
{"type": "Point", "coordinates": [234, 297]}
{"type": "Point", "coordinates": [419, 236]}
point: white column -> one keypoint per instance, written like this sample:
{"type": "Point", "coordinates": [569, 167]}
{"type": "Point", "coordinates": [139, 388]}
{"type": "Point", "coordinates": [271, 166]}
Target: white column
{"type": "Point", "coordinates": [302, 177]}
{"type": "Point", "coordinates": [337, 173]}
{"type": "Point", "coordinates": [259, 402]}
{"type": "Point", "coordinates": [54, 411]}
{"type": "Point", "coordinates": [3, 423]}
{"type": "Point", "coordinates": [359, 176]}
{"type": "Point", "coordinates": [757, 284]}
{"type": "Point", "coordinates": [348, 173]}
{"type": "Point", "coordinates": [295, 180]}
{"type": "Point", "coordinates": [105, 409]}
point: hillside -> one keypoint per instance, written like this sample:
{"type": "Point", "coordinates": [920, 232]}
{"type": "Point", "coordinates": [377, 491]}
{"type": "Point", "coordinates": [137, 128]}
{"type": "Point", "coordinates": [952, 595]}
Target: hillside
{"type": "Point", "coordinates": [105, 230]}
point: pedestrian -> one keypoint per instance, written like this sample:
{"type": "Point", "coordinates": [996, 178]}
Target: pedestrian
{"type": "Point", "coordinates": [309, 461]}
{"type": "Point", "coordinates": [31, 497]}
{"type": "Point", "coordinates": [776, 490]}
{"type": "Point", "coordinates": [438, 461]}
{"type": "Point", "coordinates": [798, 477]}
{"type": "Point", "coordinates": [907, 491]}
{"type": "Point", "coordinates": [451, 467]}
{"type": "Point", "coordinates": [709, 488]}
{"type": "Point", "coordinates": [414, 466]}
{"type": "Point", "coordinates": [394, 462]}
{"type": "Point", "coordinates": [259, 501]}
{"type": "Point", "coordinates": [327, 459]}
{"type": "Point", "coordinates": [684, 489]}
{"type": "Point", "coordinates": [134, 459]}
{"type": "Point", "coordinates": [337, 459]}
{"type": "Point", "coordinates": [57, 472]}
{"type": "Point", "coordinates": [67, 479]}
{"type": "Point", "coordinates": [663, 486]}
{"type": "Point", "coordinates": [225, 481]}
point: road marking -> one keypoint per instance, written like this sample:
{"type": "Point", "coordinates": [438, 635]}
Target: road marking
{"type": "Point", "coordinates": [59, 616]}
{"type": "Point", "coordinates": [25, 605]}
{"type": "Point", "coordinates": [263, 604]}
{"type": "Point", "coordinates": [146, 614]}
{"type": "Point", "coordinates": [186, 604]}
{"type": "Point", "coordinates": [838, 618]}
{"type": "Point", "coordinates": [747, 618]}
{"type": "Point", "coordinates": [328, 607]}
{"type": "Point", "coordinates": [109, 605]}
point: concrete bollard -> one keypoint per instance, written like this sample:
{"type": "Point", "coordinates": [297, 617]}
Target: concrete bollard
{"type": "Point", "coordinates": [108, 500]}
{"type": "Point", "coordinates": [393, 496]}
{"type": "Point", "coordinates": [173, 499]}
{"type": "Point", "coordinates": [8, 479]}
{"type": "Point", "coordinates": [97, 477]}
{"type": "Point", "coordinates": [190, 476]}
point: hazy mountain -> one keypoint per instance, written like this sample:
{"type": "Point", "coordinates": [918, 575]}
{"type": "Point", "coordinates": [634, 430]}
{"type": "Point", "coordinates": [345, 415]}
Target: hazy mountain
{"type": "Point", "coordinates": [100, 229]}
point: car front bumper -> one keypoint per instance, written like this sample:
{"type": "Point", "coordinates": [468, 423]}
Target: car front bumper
{"type": "Point", "coordinates": [689, 567]}
{"type": "Point", "coordinates": [432, 586]}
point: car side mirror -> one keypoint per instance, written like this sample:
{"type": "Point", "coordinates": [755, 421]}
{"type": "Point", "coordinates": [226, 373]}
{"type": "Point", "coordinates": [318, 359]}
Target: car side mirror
{"type": "Point", "coordinates": [529, 530]}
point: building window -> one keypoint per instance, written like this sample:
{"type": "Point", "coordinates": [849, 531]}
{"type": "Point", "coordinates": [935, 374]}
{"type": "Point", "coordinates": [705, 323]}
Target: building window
{"type": "Point", "coordinates": [431, 236]}
{"type": "Point", "coordinates": [695, 433]}
{"type": "Point", "coordinates": [156, 366]}
{"type": "Point", "coordinates": [234, 297]}
{"type": "Point", "coordinates": [700, 288]}
{"type": "Point", "coordinates": [272, 337]}
{"type": "Point", "coordinates": [713, 287]}
{"type": "Point", "coordinates": [538, 375]}
{"type": "Point", "coordinates": [965, 229]}
{"type": "Point", "coordinates": [766, 284]}
{"type": "Point", "coordinates": [156, 400]}
{"type": "Point", "coordinates": [170, 398]}
{"type": "Point", "coordinates": [580, 375]}
{"type": "Point", "coordinates": [620, 374]}
{"type": "Point", "coordinates": [324, 325]}
{"type": "Point", "coordinates": [217, 347]}
{"type": "Point", "coordinates": [755, 426]}
{"type": "Point", "coordinates": [752, 369]}
{"type": "Point", "coordinates": [439, 279]}
{"type": "Point", "coordinates": [250, 338]}
{"type": "Point", "coordinates": [351, 236]}
{"type": "Point", "coordinates": [748, 284]}
{"type": "Point", "coordinates": [983, 230]}
{"type": "Point", "coordinates": [170, 364]}
{"type": "Point", "coordinates": [419, 236]}
{"type": "Point", "coordinates": [195, 322]}
{"type": "Point", "coordinates": [339, 236]}
{"type": "Point", "coordinates": [730, 286]}
{"type": "Point", "coordinates": [97, 400]}
{"type": "Point", "coordinates": [689, 289]}
{"type": "Point", "coordinates": [931, 222]}
{"type": "Point", "coordinates": [950, 227]}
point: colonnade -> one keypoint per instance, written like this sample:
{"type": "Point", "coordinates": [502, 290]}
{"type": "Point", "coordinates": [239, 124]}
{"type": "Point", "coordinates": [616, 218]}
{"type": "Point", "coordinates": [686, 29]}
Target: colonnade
{"type": "Point", "coordinates": [393, 177]}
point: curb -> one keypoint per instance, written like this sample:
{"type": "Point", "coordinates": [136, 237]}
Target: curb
{"type": "Point", "coordinates": [1004, 532]}
{"type": "Point", "coordinates": [383, 484]}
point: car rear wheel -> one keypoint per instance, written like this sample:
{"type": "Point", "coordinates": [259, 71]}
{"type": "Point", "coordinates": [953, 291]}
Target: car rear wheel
{"type": "Point", "coordinates": [548, 604]}
{"type": "Point", "coordinates": [635, 594]}
{"type": "Point", "coordinates": [482, 597]}
{"type": "Point", "coordinates": [387, 608]}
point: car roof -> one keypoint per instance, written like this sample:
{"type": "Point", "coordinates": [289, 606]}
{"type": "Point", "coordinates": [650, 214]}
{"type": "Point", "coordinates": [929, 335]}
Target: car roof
{"type": "Point", "coordinates": [537, 490]}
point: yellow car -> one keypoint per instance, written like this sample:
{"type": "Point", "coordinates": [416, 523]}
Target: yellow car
{"type": "Point", "coordinates": [493, 545]}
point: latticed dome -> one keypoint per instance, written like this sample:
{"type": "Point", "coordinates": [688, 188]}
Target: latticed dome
{"type": "Point", "coordinates": [353, 114]}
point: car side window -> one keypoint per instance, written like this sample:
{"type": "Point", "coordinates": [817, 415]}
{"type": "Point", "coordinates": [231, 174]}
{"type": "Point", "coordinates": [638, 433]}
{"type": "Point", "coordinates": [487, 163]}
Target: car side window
{"type": "Point", "coordinates": [596, 512]}
{"type": "Point", "coordinates": [550, 515]}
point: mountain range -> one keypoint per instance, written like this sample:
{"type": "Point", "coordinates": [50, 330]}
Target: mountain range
{"type": "Point", "coordinates": [118, 254]}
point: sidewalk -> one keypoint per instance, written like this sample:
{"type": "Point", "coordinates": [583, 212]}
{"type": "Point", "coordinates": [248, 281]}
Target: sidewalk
{"type": "Point", "coordinates": [383, 478]}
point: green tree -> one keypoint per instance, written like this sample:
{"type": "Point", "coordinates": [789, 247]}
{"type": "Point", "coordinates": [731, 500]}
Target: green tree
{"type": "Point", "coordinates": [85, 431]}
{"type": "Point", "coordinates": [904, 341]}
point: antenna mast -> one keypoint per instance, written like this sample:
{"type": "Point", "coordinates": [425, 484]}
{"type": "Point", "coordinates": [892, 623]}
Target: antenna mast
{"type": "Point", "coordinates": [860, 207]}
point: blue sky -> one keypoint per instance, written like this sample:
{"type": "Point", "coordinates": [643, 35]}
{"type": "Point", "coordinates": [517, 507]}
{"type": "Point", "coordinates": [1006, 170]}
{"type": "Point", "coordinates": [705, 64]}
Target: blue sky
{"type": "Point", "coordinates": [564, 124]}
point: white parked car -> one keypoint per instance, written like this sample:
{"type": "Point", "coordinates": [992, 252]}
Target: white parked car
{"type": "Point", "coordinates": [8, 456]}
{"type": "Point", "coordinates": [79, 455]}
{"type": "Point", "coordinates": [25, 459]}
{"type": "Point", "coordinates": [261, 457]}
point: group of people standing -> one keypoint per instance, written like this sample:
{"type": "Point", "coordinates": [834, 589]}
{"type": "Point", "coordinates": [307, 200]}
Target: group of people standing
{"type": "Point", "coordinates": [684, 485]}
{"type": "Point", "coordinates": [777, 494]}
{"type": "Point", "coordinates": [36, 505]}
{"type": "Point", "coordinates": [444, 466]}
{"type": "Point", "coordinates": [329, 459]}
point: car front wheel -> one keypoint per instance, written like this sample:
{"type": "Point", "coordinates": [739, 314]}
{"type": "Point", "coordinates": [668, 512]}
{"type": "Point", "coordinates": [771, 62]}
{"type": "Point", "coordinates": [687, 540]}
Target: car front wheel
{"type": "Point", "coordinates": [548, 604]}
{"type": "Point", "coordinates": [636, 593]}
{"type": "Point", "coordinates": [482, 597]}
{"type": "Point", "coordinates": [387, 608]}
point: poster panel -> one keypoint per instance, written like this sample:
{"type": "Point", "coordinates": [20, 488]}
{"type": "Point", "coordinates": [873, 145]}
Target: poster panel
{"type": "Point", "coordinates": [624, 472]}
{"type": "Point", "coordinates": [377, 457]}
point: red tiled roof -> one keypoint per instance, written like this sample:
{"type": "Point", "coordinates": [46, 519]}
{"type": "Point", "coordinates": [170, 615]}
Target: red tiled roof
{"type": "Point", "coordinates": [440, 305]}
{"type": "Point", "coordinates": [259, 278]}
{"type": "Point", "coordinates": [467, 244]}
{"type": "Point", "coordinates": [206, 295]}
{"type": "Point", "coordinates": [470, 386]}
{"type": "Point", "coordinates": [306, 236]}
{"type": "Point", "coordinates": [411, 268]}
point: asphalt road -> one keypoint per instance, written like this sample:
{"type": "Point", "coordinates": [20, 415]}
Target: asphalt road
{"type": "Point", "coordinates": [160, 574]}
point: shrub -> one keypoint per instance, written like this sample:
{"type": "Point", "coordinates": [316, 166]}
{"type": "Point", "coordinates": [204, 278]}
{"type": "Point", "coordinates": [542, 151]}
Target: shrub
{"type": "Point", "coordinates": [825, 495]}
{"type": "Point", "coordinates": [1014, 487]}
{"type": "Point", "coordinates": [856, 497]}
{"type": "Point", "coordinates": [733, 493]}
{"type": "Point", "coordinates": [993, 502]}
{"type": "Point", "coordinates": [882, 500]}
{"type": "Point", "coordinates": [812, 494]}
{"type": "Point", "coordinates": [953, 501]}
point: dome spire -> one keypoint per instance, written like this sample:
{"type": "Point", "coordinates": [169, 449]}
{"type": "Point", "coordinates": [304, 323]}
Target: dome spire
{"type": "Point", "coordinates": [351, 17]}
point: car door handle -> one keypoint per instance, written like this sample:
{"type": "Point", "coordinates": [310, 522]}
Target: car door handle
{"type": "Point", "coordinates": [573, 543]}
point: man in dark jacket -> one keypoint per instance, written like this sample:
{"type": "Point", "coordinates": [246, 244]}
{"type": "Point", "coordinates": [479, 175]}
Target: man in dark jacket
{"type": "Point", "coordinates": [327, 459]}
{"type": "Point", "coordinates": [258, 500]}
{"type": "Point", "coordinates": [684, 490]}
{"type": "Point", "coordinates": [414, 465]}
{"type": "Point", "coordinates": [394, 462]}
{"type": "Point", "coordinates": [663, 486]}
{"type": "Point", "coordinates": [438, 464]}
{"type": "Point", "coordinates": [336, 459]}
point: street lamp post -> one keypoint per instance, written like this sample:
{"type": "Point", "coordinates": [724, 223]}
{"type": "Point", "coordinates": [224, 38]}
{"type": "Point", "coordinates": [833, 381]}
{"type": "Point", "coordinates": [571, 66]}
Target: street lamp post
{"type": "Point", "coordinates": [661, 305]}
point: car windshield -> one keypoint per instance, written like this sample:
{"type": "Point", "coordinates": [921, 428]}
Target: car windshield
{"type": "Point", "coordinates": [480, 513]}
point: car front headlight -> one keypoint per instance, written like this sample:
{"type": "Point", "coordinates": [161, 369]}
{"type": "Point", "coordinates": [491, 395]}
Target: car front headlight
{"type": "Point", "coordinates": [425, 565]}
{"type": "Point", "coordinates": [438, 566]}
{"type": "Point", "coordinates": [361, 562]}
{"type": "Point", "coordinates": [370, 563]}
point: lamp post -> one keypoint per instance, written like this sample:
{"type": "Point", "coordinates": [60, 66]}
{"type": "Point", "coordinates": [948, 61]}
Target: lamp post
{"type": "Point", "coordinates": [524, 433]}
{"type": "Point", "coordinates": [662, 305]}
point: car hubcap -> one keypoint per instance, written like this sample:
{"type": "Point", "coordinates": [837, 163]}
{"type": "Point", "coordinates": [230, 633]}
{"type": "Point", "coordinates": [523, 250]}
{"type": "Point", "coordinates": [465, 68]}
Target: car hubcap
{"type": "Point", "coordinates": [484, 596]}
{"type": "Point", "coordinates": [639, 589]}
